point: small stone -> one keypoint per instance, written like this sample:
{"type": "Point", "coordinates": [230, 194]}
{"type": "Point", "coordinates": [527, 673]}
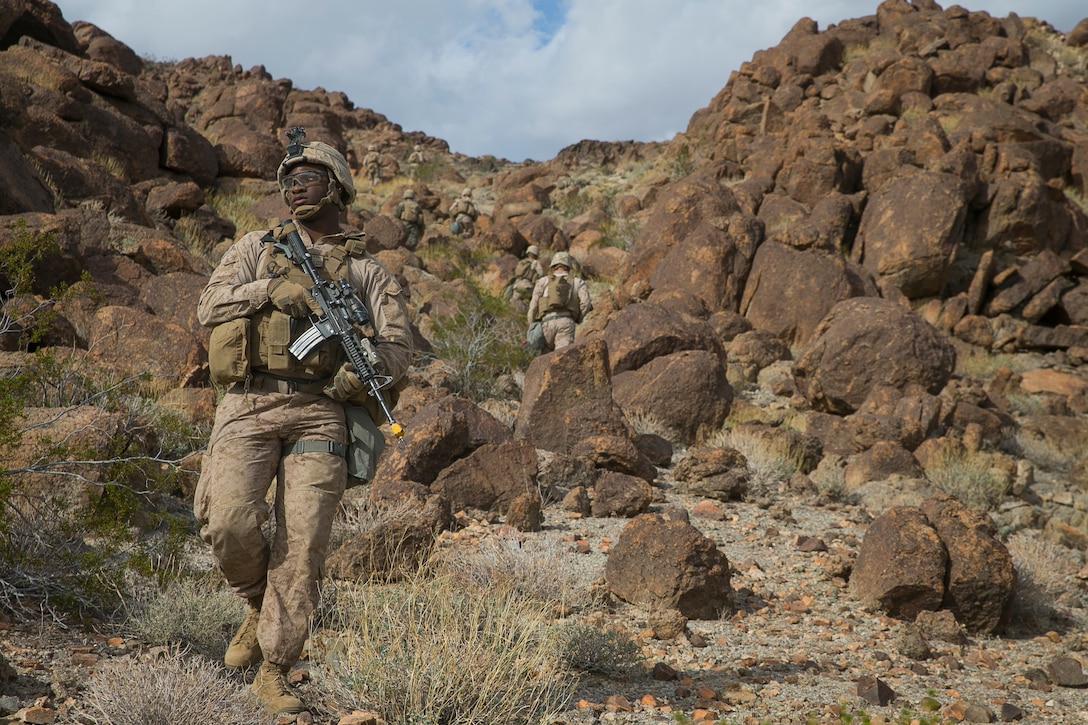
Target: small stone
{"type": "Point", "coordinates": [810, 543]}
{"type": "Point", "coordinates": [1065, 671]}
{"type": "Point", "coordinates": [875, 691]}
{"type": "Point", "coordinates": [662, 672]}
{"type": "Point", "coordinates": [977, 713]}
{"type": "Point", "coordinates": [1010, 713]}
{"type": "Point", "coordinates": [912, 644]}
{"type": "Point", "coordinates": [667, 623]}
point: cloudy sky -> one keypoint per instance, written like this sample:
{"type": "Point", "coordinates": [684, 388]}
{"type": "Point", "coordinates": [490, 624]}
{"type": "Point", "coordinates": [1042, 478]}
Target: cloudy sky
{"type": "Point", "coordinates": [515, 79]}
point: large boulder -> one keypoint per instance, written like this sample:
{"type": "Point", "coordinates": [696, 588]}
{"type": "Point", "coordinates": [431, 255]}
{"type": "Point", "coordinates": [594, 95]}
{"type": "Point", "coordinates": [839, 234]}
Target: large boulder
{"type": "Point", "coordinates": [686, 393]}
{"type": "Point", "coordinates": [981, 579]}
{"type": "Point", "coordinates": [869, 341]}
{"type": "Point", "coordinates": [641, 332]}
{"type": "Point", "coordinates": [910, 230]}
{"type": "Point", "coordinates": [490, 477]}
{"type": "Point", "coordinates": [435, 437]}
{"type": "Point", "coordinates": [901, 565]}
{"type": "Point", "coordinates": [789, 290]}
{"type": "Point", "coordinates": [665, 563]}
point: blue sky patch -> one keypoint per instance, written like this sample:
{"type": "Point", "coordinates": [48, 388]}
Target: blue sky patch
{"type": "Point", "coordinates": [552, 15]}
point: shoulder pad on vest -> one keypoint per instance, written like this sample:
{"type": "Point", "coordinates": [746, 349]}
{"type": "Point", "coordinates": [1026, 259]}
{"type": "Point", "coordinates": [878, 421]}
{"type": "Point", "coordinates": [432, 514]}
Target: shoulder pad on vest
{"type": "Point", "coordinates": [355, 244]}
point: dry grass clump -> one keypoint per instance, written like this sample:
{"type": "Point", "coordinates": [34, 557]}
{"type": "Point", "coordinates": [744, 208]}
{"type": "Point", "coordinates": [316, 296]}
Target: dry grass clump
{"type": "Point", "coordinates": [772, 460]}
{"type": "Point", "coordinates": [535, 568]}
{"type": "Point", "coordinates": [1046, 453]}
{"type": "Point", "coordinates": [589, 649]}
{"type": "Point", "coordinates": [198, 614]}
{"type": "Point", "coordinates": [645, 423]}
{"type": "Point", "coordinates": [1045, 571]}
{"type": "Point", "coordinates": [176, 689]}
{"type": "Point", "coordinates": [430, 650]}
{"type": "Point", "coordinates": [969, 476]}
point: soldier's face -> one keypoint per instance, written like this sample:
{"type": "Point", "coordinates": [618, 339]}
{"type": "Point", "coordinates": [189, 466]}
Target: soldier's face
{"type": "Point", "coordinates": [305, 184]}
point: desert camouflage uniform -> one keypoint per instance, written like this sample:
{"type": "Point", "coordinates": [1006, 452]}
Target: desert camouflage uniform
{"type": "Point", "coordinates": [558, 324]}
{"type": "Point", "coordinates": [372, 163]}
{"type": "Point", "coordinates": [256, 423]}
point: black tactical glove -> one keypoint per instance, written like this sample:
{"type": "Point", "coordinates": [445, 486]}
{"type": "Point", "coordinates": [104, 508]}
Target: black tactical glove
{"type": "Point", "coordinates": [292, 298]}
{"type": "Point", "coordinates": [345, 384]}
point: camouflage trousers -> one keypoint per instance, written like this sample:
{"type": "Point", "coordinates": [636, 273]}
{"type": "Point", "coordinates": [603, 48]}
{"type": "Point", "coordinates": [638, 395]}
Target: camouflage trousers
{"type": "Point", "coordinates": [243, 461]}
{"type": "Point", "coordinates": [558, 331]}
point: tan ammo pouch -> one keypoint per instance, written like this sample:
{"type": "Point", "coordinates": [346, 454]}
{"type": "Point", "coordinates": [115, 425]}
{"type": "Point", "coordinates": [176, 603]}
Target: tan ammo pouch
{"type": "Point", "coordinates": [365, 445]}
{"type": "Point", "coordinates": [228, 352]}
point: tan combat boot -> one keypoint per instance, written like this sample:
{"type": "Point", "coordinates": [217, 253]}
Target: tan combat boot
{"type": "Point", "coordinates": [244, 650]}
{"type": "Point", "coordinates": [270, 686]}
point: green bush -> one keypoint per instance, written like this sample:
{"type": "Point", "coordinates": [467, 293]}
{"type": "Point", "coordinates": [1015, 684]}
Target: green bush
{"type": "Point", "coordinates": [480, 346]}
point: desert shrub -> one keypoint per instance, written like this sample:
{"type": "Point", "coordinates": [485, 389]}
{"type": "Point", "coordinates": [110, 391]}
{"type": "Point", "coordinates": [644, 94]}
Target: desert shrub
{"type": "Point", "coordinates": [74, 557]}
{"type": "Point", "coordinates": [683, 164]}
{"type": "Point", "coordinates": [430, 651]}
{"type": "Point", "coordinates": [198, 614]}
{"type": "Point", "coordinates": [480, 347]}
{"type": "Point", "coordinates": [534, 568]}
{"type": "Point", "coordinates": [1044, 453]}
{"type": "Point", "coordinates": [176, 689]}
{"type": "Point", "coordinates": [620, 233]}
{"type": "Point", "coordinates": [195, 237]}
{"type": "Point", "coordinates": [645, 423]}
{"type": "Point", "coordinates": [1044, 571]}
{"type": "Point", "coordinates": [587, 649]}
{"type": "Point", "coordinates": [237, 206]}
{"type": "Point", "coordinates": [969, 476]}
{"type": "Point", "coordinates": [772, 460]}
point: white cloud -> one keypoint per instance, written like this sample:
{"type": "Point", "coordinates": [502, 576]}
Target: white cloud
{"type": "Point", "coordinates": [480, 74]}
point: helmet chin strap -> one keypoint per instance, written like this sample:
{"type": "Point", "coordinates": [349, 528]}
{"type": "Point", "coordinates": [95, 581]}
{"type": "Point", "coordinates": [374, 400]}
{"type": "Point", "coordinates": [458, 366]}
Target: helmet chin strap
{"type": "Point", "coordinates": [307, 211]}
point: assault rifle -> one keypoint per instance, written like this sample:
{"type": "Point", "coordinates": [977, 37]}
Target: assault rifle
{"type": "Point", "coordinates": [341, 309]}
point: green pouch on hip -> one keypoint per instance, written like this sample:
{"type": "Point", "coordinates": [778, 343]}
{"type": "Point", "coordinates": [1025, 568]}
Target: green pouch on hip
{"type": "Point", "coordinates": [365, 445]}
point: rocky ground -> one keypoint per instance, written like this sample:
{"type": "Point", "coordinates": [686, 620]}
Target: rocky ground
{"type": "Point", "coordinates": [797, 647]}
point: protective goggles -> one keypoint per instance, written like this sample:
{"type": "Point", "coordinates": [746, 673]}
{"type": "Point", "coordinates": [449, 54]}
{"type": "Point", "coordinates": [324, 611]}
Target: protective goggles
{"type": "Point", "coordinates": [302, 178]}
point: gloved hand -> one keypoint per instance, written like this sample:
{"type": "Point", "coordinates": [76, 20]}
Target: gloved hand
{"type": "Point", "coordinates": [292, 298]}
{"type": "Point", "coordinates": [345, 384]}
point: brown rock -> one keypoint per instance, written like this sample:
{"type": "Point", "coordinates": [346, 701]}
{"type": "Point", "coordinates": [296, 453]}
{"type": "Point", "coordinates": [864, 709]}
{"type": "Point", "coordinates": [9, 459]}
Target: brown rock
{"type": "Point", "coordinates": [620, 495]}
{"type": "Point", "coordinates": [437, 435]}
{"type": "Point", "coordinates": [490, 477]}
{"type": "Point", "coordinates": [901, 565]}
{"type": "Point", "coordinates": [882, 461]}
{"type": "Point", "coordinates": [639, 333]}
{"type": "Point", "coordinates": [981, 577]}
{"type": "Point", "coordinates": [669, 564]}
{"type": "Point", "coordinates": [909, 230]}
{"type": "Point", "coordinates": [685, 393]}
{"type": "Point", "coordinates": [524, 512]}
{"type": "Point", "coordinates": [717, 473]}
{"type": "Point", "coordinates": [869, 341]}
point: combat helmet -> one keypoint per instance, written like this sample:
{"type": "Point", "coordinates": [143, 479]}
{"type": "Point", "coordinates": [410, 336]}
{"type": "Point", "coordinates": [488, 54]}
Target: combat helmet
{"type": "Point", "coordinates": [409, 193]}
{"type": "Point", "coordinates": [561, 259]}
{"type": "Point", "coordinates": [533, 250]}
{"type": "Point", "coordinates": [341, 185]}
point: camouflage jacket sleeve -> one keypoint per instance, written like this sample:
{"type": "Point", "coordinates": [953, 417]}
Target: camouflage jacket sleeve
{"type": "Point", "coordinates": [585, 304]}
{"type": "Point", "coordinates": [534, 302]}
{"type": "Point", "coordinates": [234, 290]}
{"type": "Point", "coordinates": [387, 302]}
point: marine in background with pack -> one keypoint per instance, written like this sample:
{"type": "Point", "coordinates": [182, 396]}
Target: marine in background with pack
{"type": "Point", "coordinates": [372, 165]}
{"type": "Point", "coordinates": [415, 160]}
{"type": "Point", "coordinates": [559, 302]}
{"type": "Point", "coordinates": [463, 214]}
{"type": "Point", "coordinates": [519, 289]}
{"type": "Point", "coordinates": [410, 213]}
{"type": "Point", "coordinates": [283, 422]}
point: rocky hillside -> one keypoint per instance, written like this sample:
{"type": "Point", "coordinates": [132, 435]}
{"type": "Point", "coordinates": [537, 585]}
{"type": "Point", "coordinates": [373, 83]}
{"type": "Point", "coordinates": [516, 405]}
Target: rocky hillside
{"type": "Point", "coordinates": [868, 252]}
